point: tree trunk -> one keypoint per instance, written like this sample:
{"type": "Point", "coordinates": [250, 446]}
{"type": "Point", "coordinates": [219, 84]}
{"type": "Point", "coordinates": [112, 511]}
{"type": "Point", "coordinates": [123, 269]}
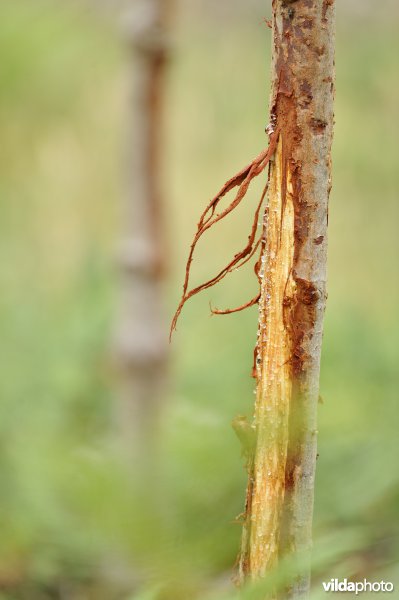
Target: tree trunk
{"type": "Point", "coordinates": [141, 344]}
{"type": "Point", "coordinates": [280, 492]}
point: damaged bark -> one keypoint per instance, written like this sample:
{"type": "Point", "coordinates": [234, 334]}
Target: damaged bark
{"type": "Point", "coordinates": [279, 505]}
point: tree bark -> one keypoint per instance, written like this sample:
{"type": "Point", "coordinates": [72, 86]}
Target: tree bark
{"type": "Point", "coordinates": [279, 505]}
{"type": "Point", "coordinates": [140, 343]}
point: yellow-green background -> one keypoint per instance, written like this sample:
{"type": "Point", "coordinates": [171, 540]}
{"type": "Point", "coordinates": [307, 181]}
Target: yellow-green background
{"type": "Point", "coordinates": [72, 523]}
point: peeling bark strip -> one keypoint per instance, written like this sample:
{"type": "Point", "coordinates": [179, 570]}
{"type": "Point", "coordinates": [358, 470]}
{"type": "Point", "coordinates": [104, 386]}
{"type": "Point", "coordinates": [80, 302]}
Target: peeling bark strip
{"type": "Point", "coordinates": [279, 503]}
{"type": "Point", "coordinates": [208, 219]}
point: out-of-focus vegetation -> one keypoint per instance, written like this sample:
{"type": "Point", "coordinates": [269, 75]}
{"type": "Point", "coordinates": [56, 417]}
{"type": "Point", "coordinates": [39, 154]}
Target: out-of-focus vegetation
{"type": "Point", "coordinates": [73, 524]}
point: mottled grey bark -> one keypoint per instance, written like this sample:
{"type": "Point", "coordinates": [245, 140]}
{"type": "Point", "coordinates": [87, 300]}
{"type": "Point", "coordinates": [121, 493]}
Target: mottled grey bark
{"type": "Point", "coordinates": [280, 491]}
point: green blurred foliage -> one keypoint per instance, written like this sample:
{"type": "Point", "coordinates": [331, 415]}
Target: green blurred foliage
{"type": "Point", "coordinates": [73, 523]}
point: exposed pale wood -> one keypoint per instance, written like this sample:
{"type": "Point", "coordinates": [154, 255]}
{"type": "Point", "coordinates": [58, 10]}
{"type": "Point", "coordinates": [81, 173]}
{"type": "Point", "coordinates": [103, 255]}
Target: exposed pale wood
{"type": "Point", "coordinates": [274, 384]}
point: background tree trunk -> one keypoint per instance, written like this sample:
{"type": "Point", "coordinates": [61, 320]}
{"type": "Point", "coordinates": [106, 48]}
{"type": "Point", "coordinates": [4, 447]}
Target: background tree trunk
{"type": "Point", "coordinates": [141, 343]}
{"type": "Point", "coordinates": [280, 491]}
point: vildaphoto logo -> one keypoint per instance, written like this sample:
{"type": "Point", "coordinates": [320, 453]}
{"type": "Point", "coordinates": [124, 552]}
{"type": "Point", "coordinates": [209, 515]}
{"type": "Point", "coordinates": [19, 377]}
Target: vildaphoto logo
{"type": "Point", "coordinates": [335, 585]}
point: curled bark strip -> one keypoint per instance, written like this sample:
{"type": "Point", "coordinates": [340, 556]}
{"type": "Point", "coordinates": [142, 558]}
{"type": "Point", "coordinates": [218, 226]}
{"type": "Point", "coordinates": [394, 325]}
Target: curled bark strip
{"type": "Point", "coordinates": [238, 261]}
{"type": "Point", "coordinates": [208, 218]}
{"type": "Point", "coordinates": [238, 179]}
{"type": "Point", "coordinates": [229, 311]}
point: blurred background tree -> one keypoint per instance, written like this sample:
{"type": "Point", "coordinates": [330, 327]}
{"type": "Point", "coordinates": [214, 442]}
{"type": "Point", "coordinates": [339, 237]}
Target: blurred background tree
{"type": "Point", "coordinates": [140, 345]}
{"type": "Point", "coordinates": [73, 523]}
